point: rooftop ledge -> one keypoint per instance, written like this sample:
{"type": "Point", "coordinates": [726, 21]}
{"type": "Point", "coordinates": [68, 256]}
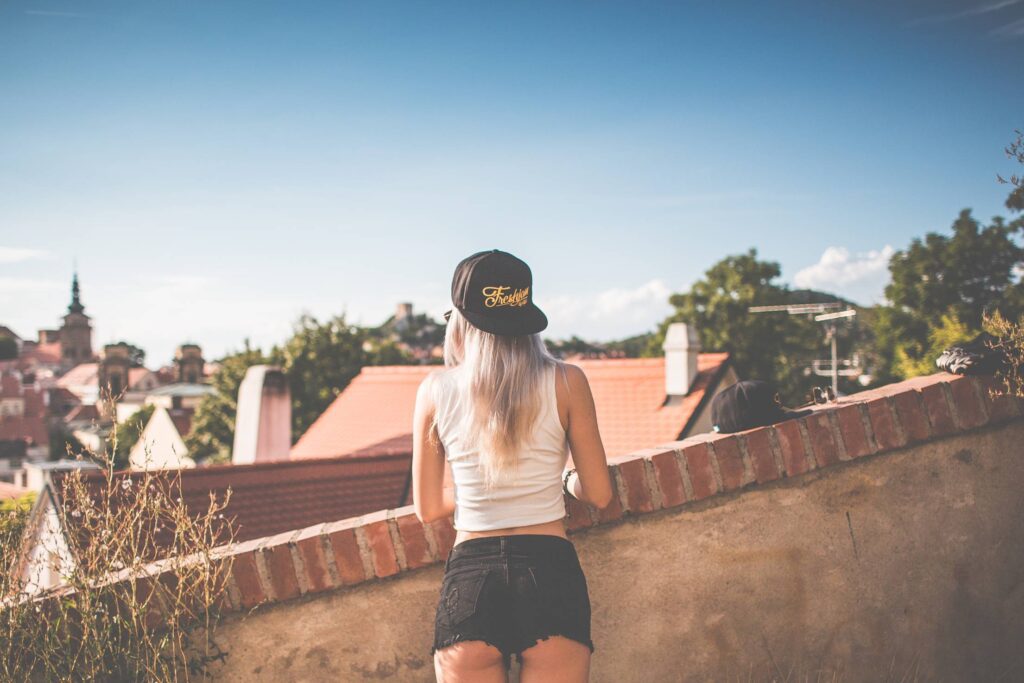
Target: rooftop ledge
{"type": "Point", "coordinates": [680, 473]}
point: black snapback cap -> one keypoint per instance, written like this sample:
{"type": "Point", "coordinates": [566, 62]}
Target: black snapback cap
{"type": "Point", "coordinates": [494, 291]}
{"type": "Point", "coordinates": [749, 404]}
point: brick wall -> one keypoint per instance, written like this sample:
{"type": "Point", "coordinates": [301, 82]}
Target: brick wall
{"type": "Point", "coordinates": [390, 542]}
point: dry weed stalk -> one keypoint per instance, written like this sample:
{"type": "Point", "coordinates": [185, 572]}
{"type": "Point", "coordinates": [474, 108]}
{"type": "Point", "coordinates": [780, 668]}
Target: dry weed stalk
{"type": "Point", "coordinates": [142, 579]}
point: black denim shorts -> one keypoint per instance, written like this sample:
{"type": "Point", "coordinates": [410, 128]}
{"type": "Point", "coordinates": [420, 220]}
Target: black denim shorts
{"type": "Point", "coordinates": [511, 592]}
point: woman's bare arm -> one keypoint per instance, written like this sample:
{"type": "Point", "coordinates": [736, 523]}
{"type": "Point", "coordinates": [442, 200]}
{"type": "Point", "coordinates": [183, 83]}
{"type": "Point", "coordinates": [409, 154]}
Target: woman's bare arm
{"type": "Point", "coordinates": [430, 499]}
{"type": "Point", "coordinates": [593, 483]}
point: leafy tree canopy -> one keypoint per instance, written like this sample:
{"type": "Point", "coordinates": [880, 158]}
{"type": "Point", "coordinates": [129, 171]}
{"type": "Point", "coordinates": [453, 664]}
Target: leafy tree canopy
{"type": "Point", "coordinates": [941, 288]}
{"type": "Point", "coordinates": [319, 359]}
{"type": "Point", "coordinates": [776, 347]}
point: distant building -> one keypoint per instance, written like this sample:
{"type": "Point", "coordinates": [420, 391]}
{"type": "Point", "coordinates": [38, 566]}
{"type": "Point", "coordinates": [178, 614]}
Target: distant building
{"type": "Point", "coordinates": [75, 336]}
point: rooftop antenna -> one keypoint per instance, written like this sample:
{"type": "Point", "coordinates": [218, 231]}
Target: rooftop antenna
{"type": "Point", "coordinates": [823, 313]}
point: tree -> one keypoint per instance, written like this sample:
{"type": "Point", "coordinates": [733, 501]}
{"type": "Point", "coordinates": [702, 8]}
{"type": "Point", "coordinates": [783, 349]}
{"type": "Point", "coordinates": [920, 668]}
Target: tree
{"type": "Point", "coordinates": [213, 425]}
{"type": "Point", "coordinates": [771, 346]}
{"type": "Point", "coordinates": [1015, 151]}
{"type": "Point", "coordinates": [8, 347]}
{"type": "Point", "coordinates": [320, 359]}
{"type": "Point", "coordinates": [943, 286]}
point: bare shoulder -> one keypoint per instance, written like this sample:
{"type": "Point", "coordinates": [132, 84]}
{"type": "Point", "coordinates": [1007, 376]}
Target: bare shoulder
{"type": "Point", "coordinates": [426, 388]}
{"type": "Point", "coordinates": [574, 375]}
{"type": "Point", "coordinates": [572, 378]}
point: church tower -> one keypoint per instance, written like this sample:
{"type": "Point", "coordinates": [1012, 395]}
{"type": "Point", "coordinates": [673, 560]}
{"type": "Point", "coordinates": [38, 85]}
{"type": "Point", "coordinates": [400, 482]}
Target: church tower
{"type": "Point", "coordinates": [76, 332]}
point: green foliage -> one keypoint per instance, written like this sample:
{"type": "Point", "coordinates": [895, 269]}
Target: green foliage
{"type": "Point", "coordinates": [63, 443]}
{"type": "Point", "coordinates": [126, 434]}
{"type": "Point", "coordinates": [320, 359]}
{"type": "Point", "coordinates": [1009, 341]}
{"type": "Point", "coordinates": [770, 346]}
{"type": "Point", "coordinates": [1015, 151]}
{"type": "Point", "coordinates": [949, 332]}
{"type": "Point", "coordinates": [631, 347]}
{"type": "Point", "coordinates": [213, 424]}
{"type": "Point", "coordinates": [944, 282]}
{"type": "Point", "coordinates": [8, 348]}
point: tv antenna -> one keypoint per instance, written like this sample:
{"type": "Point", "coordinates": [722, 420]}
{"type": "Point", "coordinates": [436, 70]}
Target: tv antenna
{"type": "Point", "coordinates": [827, 313]}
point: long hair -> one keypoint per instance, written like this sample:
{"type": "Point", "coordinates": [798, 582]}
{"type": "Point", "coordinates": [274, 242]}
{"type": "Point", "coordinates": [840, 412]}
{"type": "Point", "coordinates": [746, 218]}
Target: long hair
{"type": "Point", "coordinates": [502, 377]}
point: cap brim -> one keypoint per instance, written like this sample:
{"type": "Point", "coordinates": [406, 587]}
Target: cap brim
{"type": "Point", "coordinates": [528, 320]}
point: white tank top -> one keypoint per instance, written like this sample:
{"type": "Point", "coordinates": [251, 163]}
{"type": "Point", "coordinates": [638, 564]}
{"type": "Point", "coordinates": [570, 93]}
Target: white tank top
{"type": "Point", "coordinates": [534, 495]}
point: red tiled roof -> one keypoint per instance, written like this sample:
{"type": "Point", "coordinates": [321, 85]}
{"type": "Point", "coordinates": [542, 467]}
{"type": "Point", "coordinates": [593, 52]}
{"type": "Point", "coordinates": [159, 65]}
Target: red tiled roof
{"type": "Point", "coordinates": [374, 409]}
{"type": "Point", "coordinates": [85, 374]}
{"type": "Point", "coordinates": [629, 394]}
{"type": "Point", "coordinates": [81, 374]}
{"type": "Point", "coordinates": [269, 498]}
{"type": "Point", "coordinates": [83, 412]}
{"type": "Point", "coordinates": [374, 413]}
{"type": "Point", "coordinates": [135, 375]}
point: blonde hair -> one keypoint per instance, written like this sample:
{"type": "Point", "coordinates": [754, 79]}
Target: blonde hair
{"type": "Point", "coordinates": [502, 376]}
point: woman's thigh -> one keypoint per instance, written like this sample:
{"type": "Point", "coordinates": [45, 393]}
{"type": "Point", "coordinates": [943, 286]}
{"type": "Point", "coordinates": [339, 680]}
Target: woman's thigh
{"type": "Point", "coordinates": [469, 661]}
{"type": "Point", "coordinates": [555, 659]}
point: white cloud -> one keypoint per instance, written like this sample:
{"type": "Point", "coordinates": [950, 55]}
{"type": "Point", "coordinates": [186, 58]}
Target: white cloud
{"type": "Point", "coordinates": [19, 254]}
{"type": "Point", "coordinates": [860, 277]}
{"type": "Point", "coordinates": [608, 314]}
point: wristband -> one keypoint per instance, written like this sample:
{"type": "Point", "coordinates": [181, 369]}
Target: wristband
{"type": "Point", "coordinates": [565, 481]}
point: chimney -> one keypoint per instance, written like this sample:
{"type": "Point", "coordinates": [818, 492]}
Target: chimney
{"type": "Point", "coordinates": [681, 348]}
{"type": "Point", "coordinates": [263, 422]}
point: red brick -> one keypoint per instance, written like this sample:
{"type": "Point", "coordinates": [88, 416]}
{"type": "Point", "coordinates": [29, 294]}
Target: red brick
{"type": "Point", "coordinates": [346, 555]}
{"type": "Point", "coordinates": [730, 462]}
{"type": "Point", "coordinates": [311, 551]}
{"type": "Point", "coordinates": [247, 578]}
{"type": "Point", "coordinates": [414, 541]}
{"type": "Point", "coordinates": [638, 493]}
{"type": "Point", "coordinates": [823, 441]}
{"type": "Point", "coordinates": [669, 478]}
{"type": "Point", "coordinates": [937, 407]}
{"type": "Point", "coordinates": [999, 404]}
{"type": "Point", "coordinates": [579, 514]}
{"type": "Point", "coordinates": [613, 510]}
{"type": "Point", "coordinates": [382, 552]}
{"type": "Point", "coordinates": [281, 568]}
{"type": "Point", "coordinates": [851, 428]}
{"type": "Point", "coordinates": [444, 535]}
{"type": "Point", "coordinates": [759, 450]}
{"type": "Point", "coordinates": [912, 416]}
{"type": "Point", "coordinates": [883, 424]}
{"type": "Point", "coordinates": [698, 464]}
{"type": "Point", "coordinates": [970, 411]}
{"type": "Point", "coordinates": [791, 445]}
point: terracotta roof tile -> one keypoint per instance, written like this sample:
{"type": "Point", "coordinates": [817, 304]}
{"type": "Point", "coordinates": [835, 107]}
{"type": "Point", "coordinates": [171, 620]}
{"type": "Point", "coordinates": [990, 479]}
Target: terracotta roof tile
{"type": "Point", "coordinates": [271, 498]}
{"type": "Point", "coordinates": [81, 374]}
{"type": "Point", "coordinates": [375, 408]}
{"type": "Point", "coordinates": [374, 413]}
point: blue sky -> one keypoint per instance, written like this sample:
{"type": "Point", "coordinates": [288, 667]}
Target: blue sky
{"type": "Point", "coordinates": [217, 168]}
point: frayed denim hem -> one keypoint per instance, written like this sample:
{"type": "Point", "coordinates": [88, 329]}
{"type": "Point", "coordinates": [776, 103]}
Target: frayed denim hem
{"type": "Point", "coordinates": [579, 639]}
{"type": "Point", "coordinates": [461, 638]}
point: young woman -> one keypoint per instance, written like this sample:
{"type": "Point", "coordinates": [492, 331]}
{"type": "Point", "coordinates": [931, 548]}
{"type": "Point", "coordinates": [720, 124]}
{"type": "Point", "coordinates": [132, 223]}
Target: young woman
{"type": "Point", "coordinates": [505, 413]}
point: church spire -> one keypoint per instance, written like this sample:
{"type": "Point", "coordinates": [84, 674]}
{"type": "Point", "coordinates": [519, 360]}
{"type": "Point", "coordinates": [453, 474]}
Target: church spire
{"type": "Point", "coordinates": [76, 304]}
